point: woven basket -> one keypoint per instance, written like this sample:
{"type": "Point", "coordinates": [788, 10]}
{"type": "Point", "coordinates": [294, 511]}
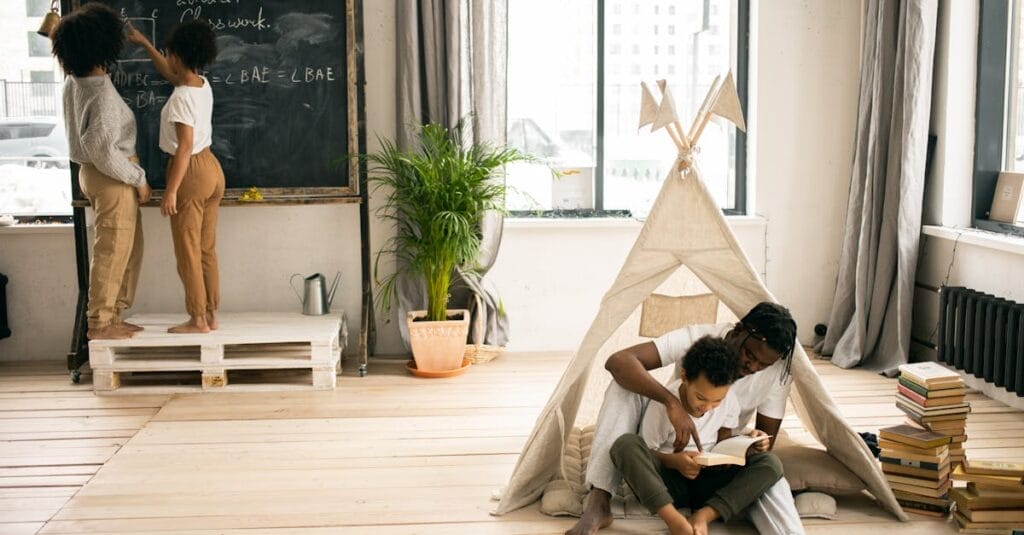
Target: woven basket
{"type": "Point", "coordinates": [479, 354]}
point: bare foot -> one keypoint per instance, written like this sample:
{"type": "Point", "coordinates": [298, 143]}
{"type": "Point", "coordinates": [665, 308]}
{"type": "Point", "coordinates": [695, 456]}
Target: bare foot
{"type": "Point", "coordinates": [194, 325]}
{"type": "Point", "coordinates": [697, 527]}
{"type": "Point", "coordinates": [682, 527]}
{"type": "Point", "coordinates": [597, 515]}
{"type": "Point", "coordinates": [676, 522]}
{"type": "Point", "coordinates": [700, 519]}
{"type": "Point", "coordinates": [211, 320]}
{"type": "Point", "coordinates": [110, 332]}
{"type": "Point", "coordinates": [130, 326]}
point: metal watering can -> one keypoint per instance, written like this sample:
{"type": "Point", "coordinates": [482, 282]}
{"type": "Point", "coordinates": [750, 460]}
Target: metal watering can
{"type": "Point", "coordinates": [316, 300]}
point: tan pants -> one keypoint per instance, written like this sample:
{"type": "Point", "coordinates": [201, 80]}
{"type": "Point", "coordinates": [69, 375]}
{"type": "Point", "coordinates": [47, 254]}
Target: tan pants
{"type": "Point", "coordinates": [194, 229]}
{"type": "Point", "coordinates": [117, 249]}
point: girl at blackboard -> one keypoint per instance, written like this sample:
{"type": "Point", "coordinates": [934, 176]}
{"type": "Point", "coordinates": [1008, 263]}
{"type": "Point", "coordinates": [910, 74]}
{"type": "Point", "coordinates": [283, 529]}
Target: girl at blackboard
{"type": "Point", "coordinates": [101, 139]}
{"type": "Point", "coordinates": [195, 181]}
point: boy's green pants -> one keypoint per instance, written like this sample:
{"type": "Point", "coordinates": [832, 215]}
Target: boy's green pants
{"type": "Point", "coordinates": [729, 489]}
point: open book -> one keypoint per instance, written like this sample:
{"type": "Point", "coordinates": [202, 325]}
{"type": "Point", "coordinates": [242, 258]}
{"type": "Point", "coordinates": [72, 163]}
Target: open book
{"type": "Point", "coordinates": [729, 451]}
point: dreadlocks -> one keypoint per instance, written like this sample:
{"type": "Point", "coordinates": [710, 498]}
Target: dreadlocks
{"type": "Point", "coordinates": [773, 323]}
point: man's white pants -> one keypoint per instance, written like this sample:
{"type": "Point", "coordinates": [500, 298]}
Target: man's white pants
{"type": "Point", "coordinates": [774, 512]}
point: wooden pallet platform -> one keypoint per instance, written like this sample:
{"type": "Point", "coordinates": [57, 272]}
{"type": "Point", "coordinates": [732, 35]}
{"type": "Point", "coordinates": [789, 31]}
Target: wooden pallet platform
{"type": "Point", "coordinates": [265, 350]}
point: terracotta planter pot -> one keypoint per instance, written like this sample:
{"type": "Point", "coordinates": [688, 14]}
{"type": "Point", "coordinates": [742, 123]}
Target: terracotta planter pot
{"type": "Point", "coordinates": [438, 346]}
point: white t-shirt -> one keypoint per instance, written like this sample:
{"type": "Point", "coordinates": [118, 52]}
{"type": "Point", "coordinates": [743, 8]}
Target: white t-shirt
{"type": "Point", "coordinates": [659, 434]}
{"type": "Point", "coordinates": [192, 106]}
{"type": "Point", "coordinates": [762, 392]}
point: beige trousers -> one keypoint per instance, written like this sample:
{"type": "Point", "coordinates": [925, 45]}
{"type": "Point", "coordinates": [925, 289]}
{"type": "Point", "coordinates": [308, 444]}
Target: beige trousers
{"type": "Point", "coordinates": [194, 230]}
{"type": "Point", "coordinates": [117, 248]}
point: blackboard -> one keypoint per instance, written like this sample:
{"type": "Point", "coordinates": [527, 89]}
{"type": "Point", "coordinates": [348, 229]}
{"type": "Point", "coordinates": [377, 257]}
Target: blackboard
{"type": "Point", "coordinates": [284, 86]}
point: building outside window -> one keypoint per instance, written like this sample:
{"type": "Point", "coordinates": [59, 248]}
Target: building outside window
{"type": "Point", "coordinates": [586, 132]}
{"type": "Point", "coordinates": [36, 8]}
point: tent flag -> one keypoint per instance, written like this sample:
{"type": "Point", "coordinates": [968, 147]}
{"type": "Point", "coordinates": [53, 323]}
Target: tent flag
{"type": "Point", "coordinates": [727, 104]}
{"type": "Point", "coordinates": [667, 111]}
{"type": "Point", "coordinates": [684, 230]}
{"type": "Point", "coordinates": [648, 106]}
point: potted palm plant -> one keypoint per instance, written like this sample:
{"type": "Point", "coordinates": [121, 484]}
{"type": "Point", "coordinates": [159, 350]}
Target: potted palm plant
{"type": "Point", "coordinates": [436, 196]}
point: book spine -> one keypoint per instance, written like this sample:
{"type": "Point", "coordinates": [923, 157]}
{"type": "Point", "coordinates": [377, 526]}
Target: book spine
{"type": "Point", "coordinates": [910, 462]}
{"type": "Point", "coordinates": [913, 396]}
{"type": "Point", "coordinates": [923, 506]}
{"type": "Point", "coordinates": [910, 385]}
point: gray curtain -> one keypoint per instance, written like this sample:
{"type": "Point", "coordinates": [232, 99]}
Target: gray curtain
{"type": "Point", "coordinates": [452, 64]}
{"type": "Point", "coordinates": [870, 320]}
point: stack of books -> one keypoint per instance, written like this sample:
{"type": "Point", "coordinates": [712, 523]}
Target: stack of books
{"type": "Point", "coordinates": [993, 501]}
{"type": "Point", "coordinates": [932, 396]}
{"type": "Point", "coordinates": [916, 464]}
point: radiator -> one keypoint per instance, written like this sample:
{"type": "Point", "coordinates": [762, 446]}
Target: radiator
{"type": "Point", "coordinates": [982, 335]}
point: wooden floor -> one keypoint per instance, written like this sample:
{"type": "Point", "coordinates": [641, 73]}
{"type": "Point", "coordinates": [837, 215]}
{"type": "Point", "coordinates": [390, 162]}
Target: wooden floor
{"type": "Point", "coordinates": [385, 454]}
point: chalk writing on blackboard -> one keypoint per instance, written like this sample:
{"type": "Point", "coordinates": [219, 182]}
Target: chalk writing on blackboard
{"type": "Point", "coordinates": [282, 84]}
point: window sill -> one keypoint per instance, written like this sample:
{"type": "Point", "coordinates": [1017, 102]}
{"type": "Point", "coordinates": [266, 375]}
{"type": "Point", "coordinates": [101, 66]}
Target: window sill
{"type": "Point", "coordinates": [735, 221]}
{"type": "Point", "coordinates": [55, 228]}
{"type": "Point", "coordinates": [979, 238]}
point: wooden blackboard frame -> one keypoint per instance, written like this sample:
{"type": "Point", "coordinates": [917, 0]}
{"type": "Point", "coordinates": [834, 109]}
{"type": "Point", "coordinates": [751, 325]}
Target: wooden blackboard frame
{"type": "Point", "coordinates": [356, 130]}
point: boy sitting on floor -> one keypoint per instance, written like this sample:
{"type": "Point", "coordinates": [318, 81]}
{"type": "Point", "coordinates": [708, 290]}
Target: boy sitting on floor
{"type": "Point", "coordinates": [663, 479]}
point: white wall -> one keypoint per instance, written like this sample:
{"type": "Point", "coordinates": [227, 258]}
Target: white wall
{"type": "Point", "coordinates": [41, 292]}
{"type": "Point", "coordinates": [803, 121]}
{"type": "Point", "coordinates": [804, 117]}
{"type": "Point", "coordinates": [952, 121]}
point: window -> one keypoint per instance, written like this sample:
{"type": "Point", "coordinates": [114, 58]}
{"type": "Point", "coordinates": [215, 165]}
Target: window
{"type": "Point", "coordinates": [37, 8]}
{"type": "Point", "coordinates": [38, 46]}
{"type": "Point", "coordinates": [569, 84]}
{"type": "Point", "coordinates": [999, 125]}
{"type": "Point", "coordinates": [34, 179]}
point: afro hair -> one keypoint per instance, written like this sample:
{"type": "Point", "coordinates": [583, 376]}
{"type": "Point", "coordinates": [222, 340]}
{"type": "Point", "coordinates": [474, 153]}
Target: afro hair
{"type": "Point", "coordinates": [88, 37]}
{"type": "Point", "coordinates": [713, 358]}
{"type": "Point", "coordinates": [194, 43]}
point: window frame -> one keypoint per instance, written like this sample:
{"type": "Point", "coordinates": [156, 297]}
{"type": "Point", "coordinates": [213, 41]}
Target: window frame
{"type": "Point", "coordinates": [742, 88]}
{"type": "Point", "coordinates": [991, 103]}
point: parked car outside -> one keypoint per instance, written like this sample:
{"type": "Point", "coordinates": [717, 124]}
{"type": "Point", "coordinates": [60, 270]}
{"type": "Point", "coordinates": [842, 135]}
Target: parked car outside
{"type": "Point", "coordinates": [33, 142]}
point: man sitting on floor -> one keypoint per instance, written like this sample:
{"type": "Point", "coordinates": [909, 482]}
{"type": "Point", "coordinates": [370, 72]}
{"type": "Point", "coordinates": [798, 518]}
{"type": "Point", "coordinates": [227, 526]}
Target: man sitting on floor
{"type": "Point", "coordinates": [664, 479]}
{"type": "Point", "coordinates": [764, 339]}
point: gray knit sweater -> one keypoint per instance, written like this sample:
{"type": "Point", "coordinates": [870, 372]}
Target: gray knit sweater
{"type": "Point", "coordinates": [101, 128]}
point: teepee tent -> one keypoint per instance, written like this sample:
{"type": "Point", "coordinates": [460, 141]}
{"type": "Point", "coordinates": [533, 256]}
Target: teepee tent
{"type": "Point", "coordinates": [685, 242]}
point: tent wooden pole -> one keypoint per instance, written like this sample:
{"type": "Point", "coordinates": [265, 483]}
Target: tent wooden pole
{"type": "Point", "coordinates": [702, 111]}
{"type": "Point", "coordinates": [675, 137]}
{"type": "Point", "coordinates": [700, 129]}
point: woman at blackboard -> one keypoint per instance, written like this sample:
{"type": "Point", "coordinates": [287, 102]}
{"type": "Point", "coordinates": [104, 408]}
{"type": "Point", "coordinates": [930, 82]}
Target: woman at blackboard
{"type": "Point", "coordinates": [101, 139]}
{"type": "Point", "coordinates": [195, 181]}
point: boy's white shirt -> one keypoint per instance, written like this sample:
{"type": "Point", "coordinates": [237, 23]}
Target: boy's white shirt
{"type": "Point", "coordinates": [192, 106]}
{"type": "Point", "coordinates": [659, 434]}
{"type": "Point", "coordinates": [762, 392]}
